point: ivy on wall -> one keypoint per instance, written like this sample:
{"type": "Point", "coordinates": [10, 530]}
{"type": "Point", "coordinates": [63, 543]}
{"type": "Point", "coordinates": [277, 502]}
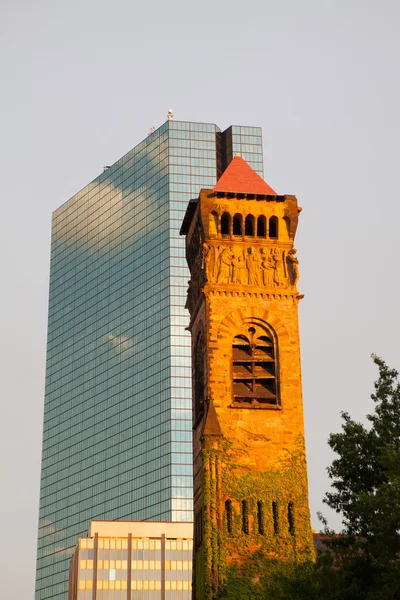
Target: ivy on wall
{"type": "Point", "coordinates": [269, 522]}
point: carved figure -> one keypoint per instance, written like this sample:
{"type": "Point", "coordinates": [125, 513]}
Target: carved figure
{"type": "Point", "coordinates": [253, 267]}
{"type": "Point", "coordinates": [293, 266]}
{"type": "Point", "coordinates": [279, 276]}
{"type": "Point", "coordinates": [208, 261]}
{"type": "Point", "coordinates": [217, 252]}
{"type": "Point", "coordinates": [225, 266]}
{"type": "Point", "coordinates": [267, 268]}
{"type": "Point", "coordinates": [239, 271]}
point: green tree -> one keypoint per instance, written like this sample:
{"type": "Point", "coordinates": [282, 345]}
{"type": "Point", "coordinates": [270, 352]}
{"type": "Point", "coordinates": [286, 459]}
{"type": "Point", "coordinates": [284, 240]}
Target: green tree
{"type": "Point", "coordinates": [363, 562]}
{"type": "Point", "coordinates": [366, 475]}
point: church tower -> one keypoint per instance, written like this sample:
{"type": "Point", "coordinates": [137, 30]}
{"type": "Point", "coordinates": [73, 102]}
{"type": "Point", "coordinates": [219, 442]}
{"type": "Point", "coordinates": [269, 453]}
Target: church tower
{"type": "Point", "coordinates": [250, 478]}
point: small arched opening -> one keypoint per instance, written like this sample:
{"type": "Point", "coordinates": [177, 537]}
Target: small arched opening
{"type": "Point", "coordinates": [275, 517]}
{"type": "Point", "coordinates": [237, 224]}
{"type": "Point", "coordinates": [291, 518]}
{"type": "Point", "coordinates": [225, 224]}
{"type": "Point", "coordinates": [273, 227]}
{"type": "Point", "coordinates": [245, 517]}
{"type": "Point", "coordinates": [249, 225]}
{"type": "Point", "coordinates": [261, 226]}
{"type": "Point", "coordinates": [260, 518]}
{"type": "Point", "coordinates": [229, 515]}
{"type": "Point", "coordinates": [199, 378]}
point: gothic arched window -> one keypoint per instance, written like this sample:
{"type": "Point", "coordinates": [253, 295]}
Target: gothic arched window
{"type": "Point", "coordinates": [254, 369]}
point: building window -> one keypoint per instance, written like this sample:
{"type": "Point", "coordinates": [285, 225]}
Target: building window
{"type": "Point", "coordinates": [260, 518]}
{"type": "Point", "coordinates": [237, 224]}
{"type": "Point", "coordinates": [254, 369]}
{"type": "Point", "coordinates": [245, 517]}
{"type": "Point", "coordinates": [229, 515]}
{"type": "Point", "coordinates": [291, 518]}
{"type": "Point", "coordinates": [261, 226]}
{"type": "Point", "coordinates": [199, 378]}
{"type": "Point", "coordinates": [273, 227]}
{"type": "Point", "coordinates": [198, 528]}
{"type": "Point", "coordinates": [249, 225]}
{"type": "Point", "coordinates": [275, 517]}
{"type": "Point", "coordinates": [225, 224]}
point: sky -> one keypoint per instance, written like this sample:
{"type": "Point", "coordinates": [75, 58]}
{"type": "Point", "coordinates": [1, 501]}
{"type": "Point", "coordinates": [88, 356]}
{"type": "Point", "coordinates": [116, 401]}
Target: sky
{"type": "Point", "coordinates": [84, 80]}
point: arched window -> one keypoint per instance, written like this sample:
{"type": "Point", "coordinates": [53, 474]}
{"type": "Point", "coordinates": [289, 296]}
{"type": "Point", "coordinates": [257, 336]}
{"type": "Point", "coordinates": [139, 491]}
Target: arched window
{"type": "Point", "coordinates": [199, 377]}
{"type": "Point", "coordinates": [273, 227]}
{"type": "Point", "coordinates": [261, 226]}
{"type": "Point", "coordinates": [275, 517]}
{"type": "Point", "coordinates": [213, 223]}
{"type": "Point", "coordinates": [225, 224]}
{"type": "Point", "coordinates": [198, 528]}
{"type": "Point", "coordinates": [237, 224]}
{"type": "Point", "coordinates": [260, 518]}
{"type": "Point", "coordinates": [290, 514]}
{"type": "Point", "coordinates": [249, 225]}
{"type": "Point", "coordinates": [254, 369]}
{"type": "Point", "coordinates": [229, 516]}
{"type": "Point", "coordinates": [245, 517]}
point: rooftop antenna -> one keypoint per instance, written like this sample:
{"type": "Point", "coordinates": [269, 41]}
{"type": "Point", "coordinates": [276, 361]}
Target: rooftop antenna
{"type": "Point", "coordinates": [152, 129]}
{"type": "Point", "coordinates": [170, 115]}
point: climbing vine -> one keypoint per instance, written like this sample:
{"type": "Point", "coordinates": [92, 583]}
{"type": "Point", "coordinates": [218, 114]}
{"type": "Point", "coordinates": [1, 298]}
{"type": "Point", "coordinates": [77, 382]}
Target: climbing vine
{"type": "Point", "coordinates": [233, 564]}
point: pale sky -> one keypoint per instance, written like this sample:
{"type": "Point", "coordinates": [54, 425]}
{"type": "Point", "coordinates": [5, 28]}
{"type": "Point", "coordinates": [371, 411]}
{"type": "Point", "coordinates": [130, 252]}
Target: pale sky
{"type": "Point", "coordinates": [83, 81]}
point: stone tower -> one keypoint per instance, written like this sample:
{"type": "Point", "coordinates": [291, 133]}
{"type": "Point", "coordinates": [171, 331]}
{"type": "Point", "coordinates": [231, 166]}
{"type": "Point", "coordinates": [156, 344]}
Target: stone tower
{"type": "Point", "coordinates": [250, 478]}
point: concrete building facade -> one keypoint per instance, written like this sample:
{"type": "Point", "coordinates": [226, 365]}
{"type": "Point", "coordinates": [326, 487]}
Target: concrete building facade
{"type": "Point", "coordinates": [133, 560]}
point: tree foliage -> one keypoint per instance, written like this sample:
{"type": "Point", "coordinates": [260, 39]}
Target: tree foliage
{"type": "Point", "coordinates": [366, 474]}
{"type": "Point", "coordinates": [363, 562]}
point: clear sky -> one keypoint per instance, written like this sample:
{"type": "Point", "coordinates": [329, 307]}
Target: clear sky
{"type": "Point", "coordinates": [83, 81]}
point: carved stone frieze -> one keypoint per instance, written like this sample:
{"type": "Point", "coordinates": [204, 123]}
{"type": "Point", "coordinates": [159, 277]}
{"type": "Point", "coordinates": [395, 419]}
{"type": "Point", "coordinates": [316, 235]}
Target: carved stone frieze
{"type": "Point", "coordinates": [265, 267]}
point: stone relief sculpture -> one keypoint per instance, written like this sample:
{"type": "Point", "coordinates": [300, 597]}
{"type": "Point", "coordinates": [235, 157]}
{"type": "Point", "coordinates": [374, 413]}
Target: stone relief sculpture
{"type": "Point", "coordinates": [253, 267]}
{"type": "Point", "coordinates": [225, 264]}
{"type": "Point", "coordinates": [269, 267]}
{"type": "Point", "coordinates": [293, 266]}
{"type": "Point", "coordinates": [279, 275]}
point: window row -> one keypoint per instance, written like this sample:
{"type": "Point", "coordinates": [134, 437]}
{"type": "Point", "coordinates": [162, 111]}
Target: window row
{"type": "Point", "coordinates": [226, 225]}
{"type": "Point", "coordinates": [265, 512]}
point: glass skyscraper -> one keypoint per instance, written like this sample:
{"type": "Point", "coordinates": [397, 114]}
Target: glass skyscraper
{"type": "Point", "coordinates": [117, 417]}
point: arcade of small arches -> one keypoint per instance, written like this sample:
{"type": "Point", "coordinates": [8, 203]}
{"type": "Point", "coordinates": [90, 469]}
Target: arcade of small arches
{"type": "Point", "coordinates": [265, 512]}
{"type": "Point", "coordinates": [238, 225]}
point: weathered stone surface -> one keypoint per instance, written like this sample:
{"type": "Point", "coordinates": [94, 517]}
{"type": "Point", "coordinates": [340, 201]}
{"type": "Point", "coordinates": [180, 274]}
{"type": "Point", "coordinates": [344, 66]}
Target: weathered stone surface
{"type": "Point", "coordinates": [250, 475]}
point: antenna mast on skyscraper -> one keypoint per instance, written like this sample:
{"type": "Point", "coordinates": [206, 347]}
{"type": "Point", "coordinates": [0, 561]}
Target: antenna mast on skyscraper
{"type": "Point", "coordinates": [170, 115]}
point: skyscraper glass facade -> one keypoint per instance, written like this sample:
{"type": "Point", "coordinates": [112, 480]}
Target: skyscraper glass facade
{"type": "Point", "coordinates": [117, 419]}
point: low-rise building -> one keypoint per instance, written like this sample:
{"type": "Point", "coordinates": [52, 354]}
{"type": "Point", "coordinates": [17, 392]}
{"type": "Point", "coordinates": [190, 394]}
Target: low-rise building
{"type": "Point", "coordinates": [133, 560]}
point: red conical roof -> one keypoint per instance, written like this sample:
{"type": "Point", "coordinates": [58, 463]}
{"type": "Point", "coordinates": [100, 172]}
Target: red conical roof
{"type": "Point", "coordinates": [240, 178]}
